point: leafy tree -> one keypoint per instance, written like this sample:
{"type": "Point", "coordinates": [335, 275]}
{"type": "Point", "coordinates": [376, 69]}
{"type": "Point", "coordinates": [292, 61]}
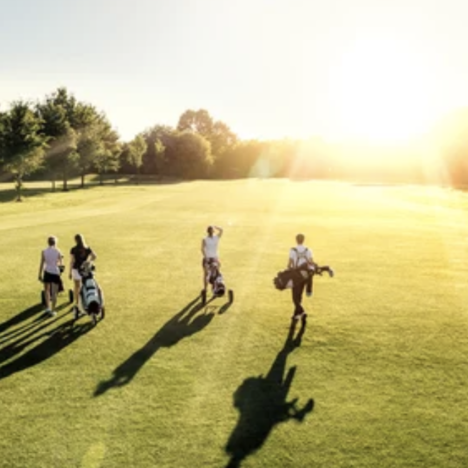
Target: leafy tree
{"type": "Point", "coordinates": [159, 152]}
{"type": "Point", "coordinates": [158, 138]}
{"type": "Point", "coordinates": [217, 133]}
{"type": "Point", "coordinates": [189, 156]}
{"type": "Point", "coordinates": [88, 147]}
{"type": "Point", "coordinates": [22, 143]}
{"type": "Point", "coordinates": [67, 123]}
{"type": "Point", "coordinates": [239, 160]}
{"type": "Point", "coordinates": [198, 121]}
{"type": "Point", "coordinates": [107, 156]}
{"type": "Point", "coordinates": [61, 158]}
{"type": "Point", "coordinates": [222, 138]}
{"type": "Point", "coordinates": [135, 151]}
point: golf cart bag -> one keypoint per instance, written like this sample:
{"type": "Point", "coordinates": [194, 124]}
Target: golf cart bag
{"type": "Point", "coordinates": [216, 280]}
{"type": "Point", "coordinates": [92, 299]}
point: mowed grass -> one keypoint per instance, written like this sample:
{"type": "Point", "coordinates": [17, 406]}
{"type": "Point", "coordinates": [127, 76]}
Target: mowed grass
{"type": "Point", "coordinates": [379, 378]}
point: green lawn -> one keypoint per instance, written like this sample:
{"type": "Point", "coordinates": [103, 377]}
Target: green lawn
{"type": "Point", "coordinates": [379, 377]}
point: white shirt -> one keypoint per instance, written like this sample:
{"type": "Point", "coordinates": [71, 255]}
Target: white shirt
{"type": "Point", "coordinates": [51, 259]}
{"type": "Point", "coordinates": [300, 255]}
{"type": "Point", "coordinates": [211, 246]}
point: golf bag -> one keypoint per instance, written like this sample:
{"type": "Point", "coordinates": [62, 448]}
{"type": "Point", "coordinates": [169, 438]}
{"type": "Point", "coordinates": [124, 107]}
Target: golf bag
{"type": "Point", "coordinates": [215, 278]}
{"type": "Point", "coordinates": [92, 300]}
{"type": "Point", "coordinates": [287, 279]}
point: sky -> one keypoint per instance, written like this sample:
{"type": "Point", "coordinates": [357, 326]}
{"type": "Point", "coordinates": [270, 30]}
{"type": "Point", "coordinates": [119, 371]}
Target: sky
{"type": "Point", "coordinates": [378, 69]}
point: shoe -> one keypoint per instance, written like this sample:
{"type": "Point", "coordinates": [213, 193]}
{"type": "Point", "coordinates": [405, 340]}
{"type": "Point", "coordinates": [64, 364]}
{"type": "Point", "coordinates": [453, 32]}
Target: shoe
{"type": "Point", "coordinates": [51, 313]}
{"type": "Point", "coordinates": [331, 273]}
{"type": "Point", "coordinates": [76, 313]}
{"type": "Point", "coordinates": [309, 294]}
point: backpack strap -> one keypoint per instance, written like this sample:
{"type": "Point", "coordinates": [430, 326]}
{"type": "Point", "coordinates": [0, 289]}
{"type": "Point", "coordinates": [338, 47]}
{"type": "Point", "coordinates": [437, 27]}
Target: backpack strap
{"type": "Point", "coordinates": [300, 255]}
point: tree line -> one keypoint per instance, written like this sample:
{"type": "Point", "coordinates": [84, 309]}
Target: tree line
{"type": "Point", "coordinates": [60, 138]}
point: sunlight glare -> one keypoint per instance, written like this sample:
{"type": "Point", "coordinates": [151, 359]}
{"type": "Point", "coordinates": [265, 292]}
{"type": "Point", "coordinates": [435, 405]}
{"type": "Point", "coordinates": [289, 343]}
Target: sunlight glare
{"type": "Point", "coordinates": [380, 91]}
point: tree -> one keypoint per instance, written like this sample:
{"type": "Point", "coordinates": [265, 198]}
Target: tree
{"type": "Point", "coordinates": [159, 152]}
{"type": "Point", "coordinates": [189, 157]}
{"type": "Point", "coordinates": [106, 156]}
{"type": "Point", "coordinates": [66, 122]}
{"type": "Point", "coordinates": [158, 138]}
{"type": "Point", "coordinates": [239, 160]}
{"type": "Point", "coordinates": [222, 138]}
{"type": "Point", "coordinates": [22, 144]}
{"type": "Point", "coordinates": [198, 121]}
{"type": "Point", "coordinates": [88, 148]}
{"type": "Point", "coordinates": [135, 151]}
{"type": "Point", "coordinates": [61, 158]}
{"type": "Point", "coordinates": [217, 133]}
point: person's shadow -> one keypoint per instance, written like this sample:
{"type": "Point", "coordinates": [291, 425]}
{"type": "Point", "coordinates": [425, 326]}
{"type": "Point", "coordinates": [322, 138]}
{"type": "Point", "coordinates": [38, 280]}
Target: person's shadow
{"type": "Point", "coordinates": [53, 342]}
{"type": "Point", "coordinates": [262, 403]}
{"type": "Point", "coordinates": [184, 324]}
{"type": "Point", "coordinates": [18, 319]}
{"type": "Point", "coordinates": [16, 341]}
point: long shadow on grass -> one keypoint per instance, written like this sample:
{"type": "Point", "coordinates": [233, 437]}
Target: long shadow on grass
{"type": "Point", "coordinates": [53, 341]}
{"type": "Point", "coordinates": [19, 318]}
{"type": "Point", "coordinates": [262, 403]}
{"type": "Point", "coordinates": [14, 342]}
{"type": "Point", "coordinates": [184, 324]}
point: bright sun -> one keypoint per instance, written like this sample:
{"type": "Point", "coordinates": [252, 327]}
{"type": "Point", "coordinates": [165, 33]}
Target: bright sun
{"type": "Point", "coordinates": [380, 92]}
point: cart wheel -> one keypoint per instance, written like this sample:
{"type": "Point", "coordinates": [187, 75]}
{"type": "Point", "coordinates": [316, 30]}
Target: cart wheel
{"type": "Point", "coordinates": [231, 296]}
{"type": "Point", "coordinates": [94, 318]}
{"type": "Point", "coordinates": [43, 301]}
{"type": "Point", "coordinates": [71, 296]}
{"type": "Point", "coordinates": [103, 313]}
{"type": "Point", "coordinates": [203, 297]}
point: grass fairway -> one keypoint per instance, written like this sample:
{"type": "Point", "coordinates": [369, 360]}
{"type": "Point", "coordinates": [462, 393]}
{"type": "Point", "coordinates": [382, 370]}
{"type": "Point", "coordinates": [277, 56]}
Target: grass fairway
{"type": "Point", "coordinates": [380, 375]}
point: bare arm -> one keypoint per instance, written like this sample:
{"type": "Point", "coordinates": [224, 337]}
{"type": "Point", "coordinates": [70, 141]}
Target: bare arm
{"type": "Point", "coordinates": [72, 264]}
{"type": "Point", "coordinates": [220, 230]}
{"type": "Point", "coordinates": [203, 247]}
{"type": "Point", "coordinates": [41, 266]}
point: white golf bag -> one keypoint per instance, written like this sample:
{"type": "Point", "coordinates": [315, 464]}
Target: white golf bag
{"type": "Point", "coordinates": [92, 299]}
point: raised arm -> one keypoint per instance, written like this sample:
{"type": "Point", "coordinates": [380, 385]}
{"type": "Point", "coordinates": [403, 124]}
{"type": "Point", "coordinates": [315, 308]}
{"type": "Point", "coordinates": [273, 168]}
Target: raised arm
{"type": "Point", "coordinates": [220, 230]}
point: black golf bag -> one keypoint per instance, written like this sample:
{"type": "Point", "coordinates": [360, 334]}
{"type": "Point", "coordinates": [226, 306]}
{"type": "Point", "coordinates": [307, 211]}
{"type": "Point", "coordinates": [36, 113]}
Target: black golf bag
{"type": "Point", "coordinates": [287, 279]}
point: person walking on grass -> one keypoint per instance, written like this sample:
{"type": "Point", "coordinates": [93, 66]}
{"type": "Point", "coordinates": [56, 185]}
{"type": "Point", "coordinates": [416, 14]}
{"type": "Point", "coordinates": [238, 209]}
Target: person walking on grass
{"type": "Point", "coordinates": [79, 254]}
{"type": "Point", "coordinates": [49, 274]}
{"type": "Point", "coordinates": [209, 249]}
{"type": "Point", "coordinates": [300, 258]}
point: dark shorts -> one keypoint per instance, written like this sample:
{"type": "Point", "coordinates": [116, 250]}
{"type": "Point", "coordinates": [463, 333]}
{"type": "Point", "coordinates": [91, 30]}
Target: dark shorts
{"type": "Point", "coordinates": [51, 278]}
